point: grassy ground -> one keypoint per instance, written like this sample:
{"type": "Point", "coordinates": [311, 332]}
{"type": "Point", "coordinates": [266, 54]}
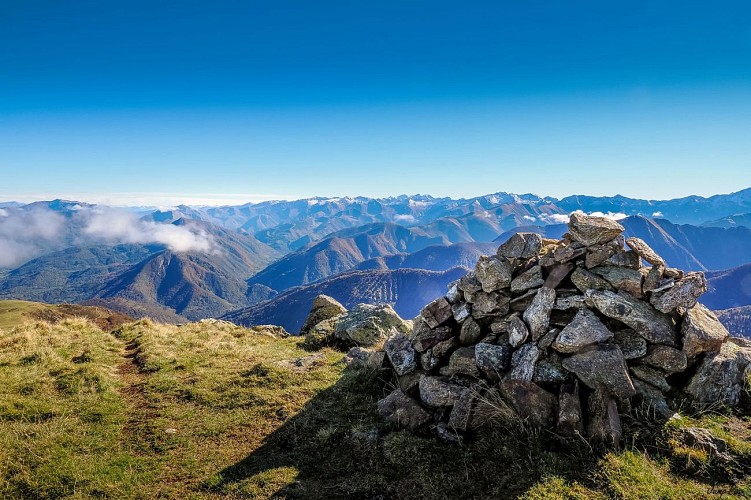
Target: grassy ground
{"type": "Point", "coordinates": [210, 410]}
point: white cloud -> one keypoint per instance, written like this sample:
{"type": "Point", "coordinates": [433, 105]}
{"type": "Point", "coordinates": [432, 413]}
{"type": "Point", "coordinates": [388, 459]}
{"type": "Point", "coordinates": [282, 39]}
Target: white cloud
{"type": "Point", "coordinates": [529, 218]}
{"type": "Point", "coordinates": [3, 212]}
{"type": "Point", "coordinates": [657, 214]}
{"type": "Point", "coordinates": [563, 219]}
{"type": "Point", "coordinates": [118, 226]}
{"type": "Point", "coordinates": [406, 218]}
{"type": "Point", "coordinates": [555, 218]}
{"type": "Point", "coordinates": [27, 234]}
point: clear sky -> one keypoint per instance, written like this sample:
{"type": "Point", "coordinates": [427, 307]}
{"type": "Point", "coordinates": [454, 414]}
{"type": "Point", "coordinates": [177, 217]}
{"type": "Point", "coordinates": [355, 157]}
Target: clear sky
{"type": "Point", "coordinates": [219, 101]}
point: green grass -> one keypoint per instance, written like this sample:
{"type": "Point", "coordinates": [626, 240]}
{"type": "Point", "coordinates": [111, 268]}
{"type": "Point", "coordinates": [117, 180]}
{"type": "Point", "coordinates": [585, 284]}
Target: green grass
{"type": "Point", "coordinates": [211, 410]}
{"type": "Point", "coordinates": [15, 312]}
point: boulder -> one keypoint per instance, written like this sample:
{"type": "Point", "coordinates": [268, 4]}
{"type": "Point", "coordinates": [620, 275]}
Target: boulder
{"type": "Point", "coordinates": [364, 357]}
{"type": "Point", "coordinates": [586, 280]}
{"type": "Point", "coordinates": [489, 304]}
{"type": "Point", "coordinates": [592, 230]}
{"type": "Point", "coordinates": [401, 354]}
{"type": "Point", "coordinates": [628, 259]}
{"type": "Point", "coordinates": [523, 362]}
{"type": "Point", "coordinates": [644, 251]}
{"type": "Point", "coordinates": [652, 279]}
{"type": "Point", "coordinates": [470, 332]}
{"type": "Point", "coordinates": [537, 315]}
{"type": "Point", "coordinates": [683, 294]}
{"type": "Point", "coordinates": [517, 330]}
{"type": "Point", "coordinates": [424, 337]}
{"type": "Point", "coordinates": [493, 360]}
{"type": "Point", "coordinates": [621, 278]}
{"type": "Point", "coordinates": [631, 343]}
{"type": "Point", "coordinates": [665, 358]}
{"type": "Point", "coordinates": [493, 273]}
{"type": "Point", "coordinates": [404, 411]}
{"type": "Point", "coordinates": [324, 308]}
{"type": "Point", "coordinates": [604, 424]}
{"type": "Point", "coordinates": [531, 278]}
{"type": "Point", "coordinates": [367, 325]}
{"type": "Point", "coordinates": [720, 376]}
{"type": "Point", "coordinates": [435, 391]}
{"type": "Point", "coordinates": [602, 366]}
{"type": "Point", "coordinates": [463, 362]}
{"type": "Point", "coordinates": [586, 329]}
{"type": "Point", "coordinates": [550, 371]}
{"type": "Point", "coordinates": [703, 439]}
{"type": "Point", "coordinates": [521, 246]}
{"type": "Point", "coordinates": [533, 403]}
{"type": "Point", "coordinates": [437, 312]}
{"type": "Point", "coordinates": [651, 324]}
{"type": "Point", "coordinates": [702, 331]}
{"type": "Point", "coordinates": [651, 376]}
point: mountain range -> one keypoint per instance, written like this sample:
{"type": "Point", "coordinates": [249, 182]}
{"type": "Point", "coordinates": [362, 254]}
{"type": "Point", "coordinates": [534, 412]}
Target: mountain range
{"type": "Point", "coordinates": [261, 262]}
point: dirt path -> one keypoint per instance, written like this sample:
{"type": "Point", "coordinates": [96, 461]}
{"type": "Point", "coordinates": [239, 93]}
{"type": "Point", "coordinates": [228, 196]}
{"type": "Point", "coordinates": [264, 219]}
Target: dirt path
{"type": "Point", "coordinates": [138, 431]}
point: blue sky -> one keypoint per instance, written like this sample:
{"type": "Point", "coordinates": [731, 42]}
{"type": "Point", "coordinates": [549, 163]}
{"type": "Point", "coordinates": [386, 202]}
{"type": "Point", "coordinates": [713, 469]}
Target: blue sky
{"type": "Point", "coordinates": [212, 102]}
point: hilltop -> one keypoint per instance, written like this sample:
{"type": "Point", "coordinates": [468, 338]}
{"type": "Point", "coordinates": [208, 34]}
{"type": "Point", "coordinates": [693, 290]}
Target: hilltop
{"type": "Point", "coordinates": [213, 410]}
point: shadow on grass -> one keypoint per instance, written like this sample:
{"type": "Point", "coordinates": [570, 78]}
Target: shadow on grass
{"type": "Point", "coordinates": [337, 447]}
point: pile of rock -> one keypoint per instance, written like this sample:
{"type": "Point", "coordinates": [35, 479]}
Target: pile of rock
{"type": "Point", "coordinates": [568, 333]}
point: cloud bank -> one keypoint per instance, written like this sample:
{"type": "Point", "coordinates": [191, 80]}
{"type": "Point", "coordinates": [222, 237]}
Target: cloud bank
{"type": "Point", "coordinates": [27, 234]}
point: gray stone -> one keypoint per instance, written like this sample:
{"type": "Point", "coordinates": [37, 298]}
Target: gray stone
{"type": "Point", "coordinates": [441, 349]}
{"type": "Point", "coordinates": [410, 381]}
{"type": "Point", "coordinates": [652, 278]}
{"type": "Point", "coordinates": [522, 302]}
{"type": "Point", "coordinates": [644, 319]}
{"type": "Point", "coordinates": [683, 294]}
{"type": "Point", "coordinates": [570, 416]}
{"type": "Point", "coordinates": [489, 304]}
{"type": "Point", "coordinates": [586, 280]}
{"type": "Point", "coordinates": [621, 278]}
{"type": "Point", "coordinates": [720, 376]}
{"type": "Point", "coordinates": [446, 435]}
{"type": "Point", "coordinates": [363, 357]}
{"type": "Point", "coordinates": [470, 332]}
{"type": "Point", "coordinates": [404, 411]}
{"type": "Point", "coordinates": [401, 354]}
{"type": "Point", "coordinates": [533, 403]}
{"type": "Point", "coordinates": [437, 312]}
{"type": "Point", "coordinates": [367, 324]}
{"type": "Point", "coordinates": [521, 246]}
{"type": "Point", "coordinates": [531, 278]}
{"type": "Point", "coordinates": [461, 412]}
{"type": "Point", "coordinates": [604, 424]}
{"type": "Point", "coordinates": [324, 308]}
{"type": "Point", "coordinates": [517, 330]}
{"type": "Point", "coordinates": [673, 273]}
{"type": "Point", "coordinates": [592, 230]}
{"type": "Point", "coordinates": [702, 331]}
{"type": "Point", "coordinates": [461, 311]}
{"type": "Point", "coordinates": [454, 294]}
{"type": "Point", "coordinates": [628, 259]}
{"type": "Point", "coordinates": [550, 371]}
{"type": "Point", "coordinates": [631, 343]}
{"type": "Point", "coordinates": [493, 360]}
{"type": "Point", "coordinates": [493, 273]}
{"type": "Point", "coordinates": [602, 366]}
{"type": "Point", "coordinates": [523, 362]}
{"type": "Point", "coordinates": [665, 358]}
{"type": "Point", "coordinates": [644, 251]}
{"type": "Point", "coordinates": [586, 329]}
{"type": "Point", "coordinates": [424, 337]}
{"type": "Point", "coordinates": [463, 362]}
{"type": "Point", "coordinates": [703, 439]}
{"type": "Point", "coordinates": [651, 376]}
{"type": "Point", "coordinates": [547, 340]}
{"type": "Point", "coordinates": [469, 283]}
{"type": "Point", "coordinates": [537, 315]}
{"type": "Point", "coordinates": [435, 392]}
{"type": "Point", "coordinates": [653, 398]}
{"type": "Point", "coordinates": [570, 302]}
{"type": "Point", "coordinates": [558, 273]}
{"type": "Point", "coordinates": [569, 252]}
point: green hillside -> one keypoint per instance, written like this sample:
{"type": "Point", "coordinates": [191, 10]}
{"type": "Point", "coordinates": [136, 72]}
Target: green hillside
{"type": "Point", "coordinates": [213, 410]}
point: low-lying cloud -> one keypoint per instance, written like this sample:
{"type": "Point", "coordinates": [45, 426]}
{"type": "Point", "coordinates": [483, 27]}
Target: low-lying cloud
{"type": "Point", "coordinates": [27, 234]}
{"type": "Point", "coordinates": [119, 226]}
{"type": "Point", "coordinates": [564, 218]}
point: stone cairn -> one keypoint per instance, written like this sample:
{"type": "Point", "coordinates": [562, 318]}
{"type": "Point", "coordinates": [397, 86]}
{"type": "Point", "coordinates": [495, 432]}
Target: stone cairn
{"type": "Point", "coordinates": [567, 333]}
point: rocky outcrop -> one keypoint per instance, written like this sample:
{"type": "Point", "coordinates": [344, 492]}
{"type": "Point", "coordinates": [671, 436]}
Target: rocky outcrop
{"type": "Point", "coordinates": [568, 332]}
{"type": "Point", "coordinates": [324, 308]}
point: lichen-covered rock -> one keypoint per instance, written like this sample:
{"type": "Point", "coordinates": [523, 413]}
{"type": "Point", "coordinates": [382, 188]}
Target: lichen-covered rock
{"type": "Point", "coordinates": [651, 324]}
{"type": "Point", "coordinates": [517, 330]}
{"type": "Point", "coordinates": [587, 280]}
{"type": "Point", "coordinates": [570, 302]}
{"type": "Point", "coordinates": [628, 259]}
{"type": "Point", "coordinates": [523, 362]}
{"type": "Point", "coordinates": [461, 412]}
{"type": "Point", "coordinates": [435, 391]}
{"type": "Point", "coordinates": [702, 331]}
{"type": "Point", "coordinates": [489, 304]}
{"type": "Point", "coordinates": [550, 371]}
{"type": "Point", "coordinates": [404, 411]}
{"type": "Point", "coordinates": [437, 312]}
{"type": "Point", "coordinates": [537, 315]}
{"type": "Point", "coordinates": [586, 329]}
{"type": "Point", "coordinates": [367, 324]}
{"type": "Point", "coordinates": [531, 278]}
{"type": "Point", "coordinates": [644, 251]}
{"type": "Point", "coordinates": [401, 354]}
{"type": "Point", "coordinates": [652, 278]}
{"type": "Point", "coordinates": [621, 278]}
{"type": "Point", "coordinates": [683, 294]}
{"type": "Point", "coordinates": [592, 230]}
{"type": "Point", "coordinates": [463, 361]}
{"type": "Point", "coordinates": [602, 366]}
{"type": "Point", "coordinates": [470, 332]}
{"type": "Point", "coordinates": [533, 403]}
{"type": "Point", "coordinates": [651, 376]}
{"type": "Point", "coordinates": [631, 343]}
{"type": "Point", "coordinates": [604, 424]}
{"type": "Point", "coordinates": [720, 376]}
{"type": "Point", "coordinates": [461, 311]}
{"type": "Point", "coordinates": [324, 308]}
{"type": "Point", "coordinates": [493, 360]}
{"type": "Point", "coordinates": [364, 357]}
{"type": "Point", "coordinates": [424, 337]}
{"type": "Point", "coordinates": [521, 246]}
{"type": "Point", "coordinates": [493, 273]}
